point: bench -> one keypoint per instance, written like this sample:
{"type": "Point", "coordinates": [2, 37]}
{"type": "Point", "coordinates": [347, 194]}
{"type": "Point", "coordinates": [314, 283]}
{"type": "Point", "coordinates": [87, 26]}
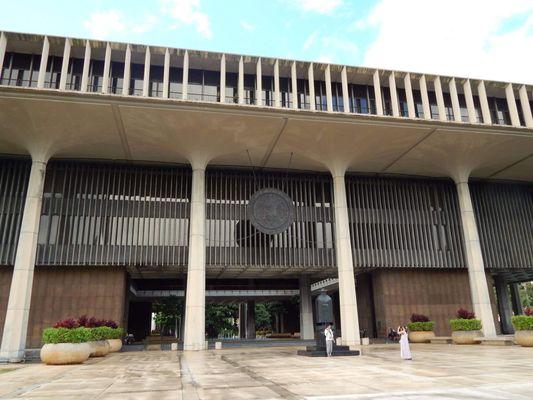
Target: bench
{"type": "Point", "coordinates": [441, 340]}
{"type": "Point", "coordinates": [496, 341]}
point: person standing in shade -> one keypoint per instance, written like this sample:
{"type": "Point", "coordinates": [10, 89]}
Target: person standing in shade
{"type": "Point", "coordinates": [405, 351]}
{"type": "Point", "coordinates": [328, 333]}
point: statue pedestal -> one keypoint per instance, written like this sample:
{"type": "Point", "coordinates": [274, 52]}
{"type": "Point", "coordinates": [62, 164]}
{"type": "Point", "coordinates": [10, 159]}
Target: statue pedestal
{"type": "Point", "coordinates": [319, 350]}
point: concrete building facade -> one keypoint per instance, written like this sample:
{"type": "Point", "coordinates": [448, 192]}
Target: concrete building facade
{"type": "Point", "coordinates": [126, 171]}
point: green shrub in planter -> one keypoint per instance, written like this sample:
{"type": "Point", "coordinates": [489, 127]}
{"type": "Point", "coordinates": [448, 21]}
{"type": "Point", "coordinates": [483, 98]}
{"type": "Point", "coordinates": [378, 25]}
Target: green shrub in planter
{"type": "Point", "coordinates": [461, 324]}
{"type": "Point", "coordinates": [523, 322]}
{"type": "Point", "coordinates": [421, 326]}
{"type": "Point", "coordinates": [101, 333]}
{"type": "Point", "coordinates": [66, 335]}
{"type": "Point", "coordinates": [116, 333]}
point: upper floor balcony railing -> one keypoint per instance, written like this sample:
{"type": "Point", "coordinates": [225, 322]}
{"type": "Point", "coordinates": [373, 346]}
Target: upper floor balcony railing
{"type": "Point", "coordinates": [108, 71]}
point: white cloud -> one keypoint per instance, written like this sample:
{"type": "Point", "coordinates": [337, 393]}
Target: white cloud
{"type": "Point", "coordinates": [325, 58]}
{"type": "Point", "coordinates": [311, 39]}
{"type": "Point", "coordinates": [102, 24]}
{"type": "Point", "coordinates": [318, 6]}
{"type": "Point", "coordinates": [247, 26]}
{"type": "Point", "coordinates": [146, 25]}
{"type": "Point", "coordinates": [187, 12]}
{"type": "Point", "coordinates": [454, 37]}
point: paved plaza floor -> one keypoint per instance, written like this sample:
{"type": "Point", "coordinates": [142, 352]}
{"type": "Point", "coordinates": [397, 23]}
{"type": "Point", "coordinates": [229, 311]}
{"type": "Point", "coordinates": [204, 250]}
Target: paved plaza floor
{"type": "Point", "coordinates": [437, 372]}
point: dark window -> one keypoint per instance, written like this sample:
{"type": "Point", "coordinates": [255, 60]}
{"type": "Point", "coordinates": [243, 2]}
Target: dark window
{"type": "Point", "coordinates": [448, 106]}
{"type": "Point", "coordinates": [320, 96]}
{"type": "Point", "coordinates": [136, 79]}
{"type": "Point", "coordinates": [116, 81]}
{"type": "Point", "coordinates": [477, 107]}
{"type": "Point", "coordinates": [155, 87]}
{"type": "Point", "coordinates": [175, 83]}
{"type": "Point", "coordinates": [249, 89]}
{"type": "Point", "coordinates": [386, 100]}
{"type": "Point", "coordinates": [499, 111]}
{"type": "Point", "coordinates": [520, 113]}
{"type": "Point", "coordinates": [303, 93]}
{"type": "Point", "coordinates": [285, 92]}
{"type": "Point", "coordinates": [336, 96]}
{"type": "Point", "coordinates": [361, 99]}
{"type": "Point", "coordinates": [402, 103]}
{"type": "Point", "coordinates": [464, 109]}
{"type": "Point", "coordinates": [419, 107]}
{"type": "Point", "coordinates": [21, 69]}
{"type": "Point", "coordinates": [75, 71]}
{"type": "Point", "coordinates": [433, 105]}
{"type": "Point", "coordinates": [267, 91]}
{"type": "Point", "coordinates": [211, 88]}
{"type": "Point", "coordinates": [53, 72]}
{"type": "Point", "coordinates": [96, 76]}
{"type": "Point", "coordinates": [232, 90]}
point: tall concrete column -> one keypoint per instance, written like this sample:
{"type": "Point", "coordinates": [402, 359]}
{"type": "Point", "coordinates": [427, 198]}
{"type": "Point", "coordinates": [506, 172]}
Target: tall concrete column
{"type": "Point", "coordinates": [524, 103]}
{"type": "Point", "coordinates": [485, 111]}
{"type": "Point", "coordinates": [44, 63]}
{"type": "Point", "coordinates": [240, 82]}
{"type": "Point", "coordinates": [343, 253]}
{"type": "Point", "coordinates": [476, 269]}
{"type": "Point", "coordinates": [185, 79]}
{"type": "Point", "coordinates": [440, 98]}
{"type": "Point", "coordinates": [3, 47]}
{"type": "Point", "coordinates": [345, 94]}
{"type": "Point", "coordinates": [146, 76]}
{"type": "Point", "coordinates": [294, 86]}
{"type": "Point", "coordinates": [258, 83]}
{"type": "Point", "coordinates": [469, 99]}
{"type": "Point", "coordinates": [329, 97]}
{"type": "Point", "coordinates": [277, 99]}
{"type": "Point", "coordinates": [511, 105]}
{"type": "Point", "coordinates": [393, 95]}
{"type": "Point", "coordinates": [515, 299]}
{"type": "Point", "coordinates": [18, 308]}
{"type": "Point", "coordinates": [409, 95]}
{"type": "Point", "coordinates": [194, 338]}
{"type": "Point", "coordinates": [455, 101]}
{"type": "Point", "coordinates": [306, 309]}
{"type": "Point", "coordinates": [166, 73]}
{"type": "Point", "coordinates": [64, 66]}
{"type": "Point", "coordinates": [107, 67]}
{"type": "Point", "coordinates": [86, 67]}
{"type": "Point", "coordinates": [250, 319]}
{"type": "Point", "coordinates": [311, 82]}
{"type": "Point", "coordinates": [377, 93]}
{"type": "Point", "coordinates": [127, 72]}
{"type": "Point", "coordinates": [504, 305]}
{"type": "Point", "coordinates": [223, 78]}
{"type": "Point", "coordinates": [425, 97]}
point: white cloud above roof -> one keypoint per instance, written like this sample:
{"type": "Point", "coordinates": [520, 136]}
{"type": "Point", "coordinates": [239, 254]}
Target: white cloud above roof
{"type": "Point", "coordinates": [454, 37]}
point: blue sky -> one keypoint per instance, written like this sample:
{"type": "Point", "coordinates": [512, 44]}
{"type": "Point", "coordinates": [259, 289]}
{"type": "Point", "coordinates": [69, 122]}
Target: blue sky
{"type": "Point", "coordinates": [490, 39]}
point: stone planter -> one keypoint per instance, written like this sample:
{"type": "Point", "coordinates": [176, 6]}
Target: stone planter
{"type": "Point", "coordinates": [99, 348]}
{"type": "Point", "coordinates": [466, 337]}
{"type": "Point", "coordinates": [421, 336]}
{"type": "Point", "coordinates": [65, 353]}
{"type": "Point", "coordinates": [114, 345]}
{"type": "Point", "coordinates": [524, 338]}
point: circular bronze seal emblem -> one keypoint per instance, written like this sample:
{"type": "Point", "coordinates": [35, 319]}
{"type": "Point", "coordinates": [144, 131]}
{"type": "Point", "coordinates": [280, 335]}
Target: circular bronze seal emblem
{"type": "Point", "coordinates": [271, 211]}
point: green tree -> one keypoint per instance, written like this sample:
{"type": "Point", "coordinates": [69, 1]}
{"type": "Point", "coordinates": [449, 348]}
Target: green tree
{"type": "Point", "coordinates": [220, 319]}
{"type": "Point", "coordinates": [526, 294]}
{"type": "Point", "coordinates": [167, 311]}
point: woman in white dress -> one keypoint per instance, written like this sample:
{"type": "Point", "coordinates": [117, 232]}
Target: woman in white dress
{"type": "Point", "coordinates": [405, 351]}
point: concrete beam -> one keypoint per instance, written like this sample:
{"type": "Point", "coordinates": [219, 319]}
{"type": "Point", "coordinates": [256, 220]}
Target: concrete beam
{"type": "Point", "coordinates": [294, 86]}
{"type": "Point", "coordinates": [277, 94]}
{"type": "Point", "coordinates": [377, 93]}
{"type": "Point", "coordinates": [345, 94]}
{"type": "Point", "coordinates": [107, 67]}
{"type": "Point", "coordinates": [329, 97]}
{"type": "Point", "coordinates": [64, 66]}
{"type": "Point", "coordinates": [86, 67]}
{"type": "Point", "coordinates": [185, 80]}
{"type": "Point", "coordinates": [393, 95]}
{"type": "Point", "coordinates": [146, 76]}
{"type": "Point", "coordinates": [455, 101]}
{"type": "Point", "coordinates": [44, 63]}
{"type": "Point", "coordinates": [258, 83]}
{"type": "Point", "coordinates": [311, 83]}
{"type": "Point", "coordinates": [425, 97]}
{"type": "Point", "coordinates": [526, 109]}
{"type": "Point", "coordinates": [409, 96]}
{"type": "Point", "coordinates": [485, 111]}
{"type": "Point", "coordinates": [511, 105]}
{"type": "Point", "coordinates": [166, 74]}
{"type": "Point", "coordinates": [440, 98]}
{"type": "Point", "coordinates": [223, 78]}
{"type": "Point", "coordinates": [127, 72]}
{"type": "Point", "coordinates": [469, 98]}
